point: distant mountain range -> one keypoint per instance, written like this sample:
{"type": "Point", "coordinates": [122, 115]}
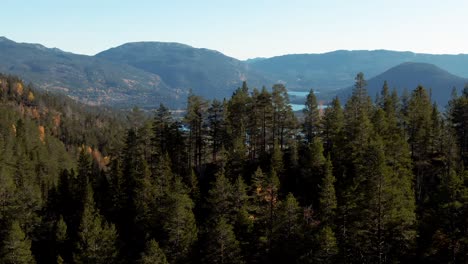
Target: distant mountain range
{"type": "Point", "coordinates": [335, 70]}
{"type": "Point", "coordinates": [148, 73]}
{"type": "Point", "coordinates": [143, 74]}
{"type": "Point", "coordinates": [409, 75]}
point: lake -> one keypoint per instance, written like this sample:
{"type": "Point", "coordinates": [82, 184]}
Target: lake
{"type": "Point", "coordinates": [301, 95]}
{"type": "Point", "coordinates": [300, 107]}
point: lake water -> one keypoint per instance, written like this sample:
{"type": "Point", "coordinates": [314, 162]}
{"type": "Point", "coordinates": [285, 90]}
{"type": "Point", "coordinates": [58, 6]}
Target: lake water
{"type": "Point", "coordinates": [301, 95]}
{"type": "Point", "coordinates": [300, 107]}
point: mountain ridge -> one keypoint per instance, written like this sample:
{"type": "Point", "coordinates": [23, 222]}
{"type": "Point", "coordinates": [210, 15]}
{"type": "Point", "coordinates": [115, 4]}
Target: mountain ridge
{"type": "Point", "coordinates": [206, 72]}
{"type": "Point", "coordinates": [147, 73]}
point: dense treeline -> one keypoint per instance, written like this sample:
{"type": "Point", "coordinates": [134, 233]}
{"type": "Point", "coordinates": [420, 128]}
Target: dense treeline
{"type": "Point", "coordinates": [240, 181]}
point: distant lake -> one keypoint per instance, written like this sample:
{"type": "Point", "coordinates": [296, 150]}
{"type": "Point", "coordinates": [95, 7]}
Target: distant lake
{"type": "Point", "coordinates": [299, 107]}
{"type": "Point", "coordinates": [301, 94]}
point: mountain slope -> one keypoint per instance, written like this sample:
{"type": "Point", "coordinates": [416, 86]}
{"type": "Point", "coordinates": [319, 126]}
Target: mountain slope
{"type": "Point", "coordinates": [411, 74]}
{"type": "Point", "coordinates": [334, 70]}
{"type": "Point", "coordinates": [89, 79]}
{"type": "Point", "coordinates": [206, 72]}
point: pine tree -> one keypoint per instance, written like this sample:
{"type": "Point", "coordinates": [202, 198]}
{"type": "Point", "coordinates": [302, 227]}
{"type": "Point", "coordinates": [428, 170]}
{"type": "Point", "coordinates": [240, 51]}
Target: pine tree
{"type": "Point", "coordinates": [419, 125]}
{"type": "Point", "coordinates": [284, 121]}
{"type": "Point", "coordinates": [328, 247]}
{"type": "Point", "coordinates": [448, 241]}
{"type": "Point", "coordinates": [61, 237]}
{"type": "Point", "coordinates": [96, 238]}
{"type": "Point", "coordinates": [161, 131]}
{"type": "Point", "coordinates": [196, 111]}
{"type": "Point", "coordinates": [152, 254]}
{"type": "Point", "coordinates": [327, 196]}
{"type": "Point", "coordinates": [311, 117]}
{"type": "Point", "coordinates": [7, 199]}
{"type": "Point", "coordinates": [277, 158]}
{"type": "Point", "coordinates": [220, 199]}
{"type": "Point", "coordinates": [312, 172]}
{"type": "Point", "coordinates": [17, 247]}
{"type": "Point", "coordinates": [458, 116]}
{"type": "Point", "coordinates": [398, 231]}
{"type": "Point", "coordinates": [223, 246]}
{"type": "Point", "coordinates": [238, 114]}
{"type": "Point", "coordinates": [260, 124]}
{"type": "Point", "coordinates": [162, 176]}
{"type": "Point", "coordinates": [217, 127]}
{"type": "Point", "coordinates": [265, 203]}
{"type": "Point", "coordinates": [287, 231]}
{"type": "Point", "coordinates": [180, 227]}
{"type": "Point", "coordinates": [146, 202]}
{"type": "Point", "coordinates": [236, 159]}
{"type": "Point", "coordinates": [243, 223]}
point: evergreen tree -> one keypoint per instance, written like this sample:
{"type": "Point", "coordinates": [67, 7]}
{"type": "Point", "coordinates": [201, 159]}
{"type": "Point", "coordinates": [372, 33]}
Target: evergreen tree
{"type": "Point", "coordinates": [217, 127]}
{"type": "Point", "coordinates": [17, 247]}
{"type": "Point", "coordinates": [312, 172]}
{"type": "Point", "coordinates": [449, 242]}
{"type": "Point", "coordinates": [238, 114]}
{"type": "Point", "coordinates": [328, 246]}
{"type": "Point", "coordinates": [458, 116]}
{"type": "Point", "coordinates": [220, 199]}
{"type": "Point", "coordinates": [260, 125]}
{"type": "Point", "coordinates": [61, 238]}
{"type": "Point", "coordinates": [419, 125]}
{"type": "Point", "coordinates": [180, 227]}
{"type": "Point", "coordinates": [311, 117]}
{"type": "Point", "coordinates": [196, 111]}
{"type": "Point", "coordinates": [287, 233]}
{"type": "Point", "coordinates": [152, 254]}
{"type": "Point", "coordinates": [223, 246]}
{"type": "Point", "coordinates": [243, 223]}
{"type": "Point", "coordinates": [277, 159]}
{"type": "Point", "coordinates": [161, 131]}
{"type": "Point", "coordinates": [284, 121]}
{"type": "Point", "coordinates": [236, 159]}
{"type": "Point", "coordinates": [96, 239]}
{"type": "Point", "coordinates": [327, 196]}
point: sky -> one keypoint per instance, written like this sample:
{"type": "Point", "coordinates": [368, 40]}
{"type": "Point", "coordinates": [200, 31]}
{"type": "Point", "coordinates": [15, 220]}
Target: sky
{"type": "Point", "coordinates": [242, 28]}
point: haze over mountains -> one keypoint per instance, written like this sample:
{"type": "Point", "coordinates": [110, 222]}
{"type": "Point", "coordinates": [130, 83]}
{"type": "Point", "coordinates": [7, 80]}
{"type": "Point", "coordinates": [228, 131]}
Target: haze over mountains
{"type": "Point", "coordinates": [148, 73]}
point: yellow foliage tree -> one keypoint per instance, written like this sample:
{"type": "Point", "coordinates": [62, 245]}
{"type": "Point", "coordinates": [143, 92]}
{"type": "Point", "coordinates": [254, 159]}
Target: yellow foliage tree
{"type": "Point", "coordinates": [42, 133]}
{"type": "Point", "coordinates": [30, 97]}
{"type": "Point", "coordinates": [19, 88]}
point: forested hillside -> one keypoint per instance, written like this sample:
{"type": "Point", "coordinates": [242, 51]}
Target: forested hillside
{"type": "Point", "coordinates": [235, 181]}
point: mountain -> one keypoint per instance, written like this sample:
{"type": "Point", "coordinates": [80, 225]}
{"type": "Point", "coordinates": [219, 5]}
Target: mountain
{"type": "Point", "coordinates": [330, 71]}
{"type": "Point", "coordinates": [146, 74]}
{"type": "Point", "coordinates": [408, 75]}
{"type": "Point", "coordinates": [90, 79]}
{"type": "Point", "coordinates": [206, 72]}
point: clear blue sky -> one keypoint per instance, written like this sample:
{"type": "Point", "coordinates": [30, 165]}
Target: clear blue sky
{"type": "Point", "coordinates": [242, 28]}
